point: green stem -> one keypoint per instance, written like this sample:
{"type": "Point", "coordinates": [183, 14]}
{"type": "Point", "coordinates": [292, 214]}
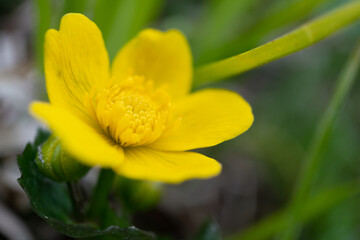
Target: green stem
{"type": "Point", "coordinates": [99, 201]}
{"type": "Point", "coordinates": [312, 162]}
{"type": "Point", "coordinates": [294, 41]}
{"type": "Point", "coordinates": [77, 198]}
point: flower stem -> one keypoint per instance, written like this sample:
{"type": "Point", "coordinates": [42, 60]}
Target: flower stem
{"type": "Point", "coordinates": [77, 198]}
{"type": "Point", "coordinates": [312, 162]}
{"type": "Point", "coordinates": [99, 201]}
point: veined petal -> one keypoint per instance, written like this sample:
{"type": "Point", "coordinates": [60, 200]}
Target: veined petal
{"type": "Point", "coordinates": [75, 61]}
{"type": "Point", "coordinates": [172, 167]}
{"type": "Point", "coordinates": [208, 117]}
{"type": "Point", "coordinates": [163, 57]}
{"type": "Point", "coordinates": [84, 142]}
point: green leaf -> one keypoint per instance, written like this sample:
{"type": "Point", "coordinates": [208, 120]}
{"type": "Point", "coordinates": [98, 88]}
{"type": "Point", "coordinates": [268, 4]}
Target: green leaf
{"type": "Point", "coordinates": [294, 41]}
{"type": "Point", "coordinates": [37, 186]}
{"type": "Point", "coordinates": [320, 204]}
{"type": "Point", "coordinates": [52, 202]}
{"type": "Point", "coordinates": [88, 231]}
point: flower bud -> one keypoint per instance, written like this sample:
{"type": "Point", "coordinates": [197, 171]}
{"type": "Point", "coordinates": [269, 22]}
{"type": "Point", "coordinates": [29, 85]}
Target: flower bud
{"type": "Point", "coordinates": [56, 164]}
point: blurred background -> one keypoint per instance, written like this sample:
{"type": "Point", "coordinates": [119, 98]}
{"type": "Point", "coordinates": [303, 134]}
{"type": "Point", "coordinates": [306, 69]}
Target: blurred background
{"type": "Point", "coordinates": [260, 167]}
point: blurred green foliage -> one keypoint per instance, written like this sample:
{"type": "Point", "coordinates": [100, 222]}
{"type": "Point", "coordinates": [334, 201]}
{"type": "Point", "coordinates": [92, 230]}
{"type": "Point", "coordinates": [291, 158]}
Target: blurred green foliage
{"type": "Point", "coordinates": [288, 97]}
{"type": "Point", "coordinates": [136, 195]}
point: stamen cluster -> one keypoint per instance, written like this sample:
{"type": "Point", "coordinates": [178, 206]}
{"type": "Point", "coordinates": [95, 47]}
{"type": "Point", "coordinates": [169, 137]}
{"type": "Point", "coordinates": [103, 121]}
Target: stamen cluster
{"type": "Point", "coordinates": [132, 112]}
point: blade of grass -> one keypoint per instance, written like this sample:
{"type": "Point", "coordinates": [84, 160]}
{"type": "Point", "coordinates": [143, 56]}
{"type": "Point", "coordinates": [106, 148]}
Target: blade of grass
{"type": "Point", "coordinates": [274, 19]}
{"type": "Point", "coordinates": [251, 36]}
{"type": "Point", "coordinates": [221, 17]}
{"type": "Point", "coordinates": [75, 6]}
{"type": "Point", "coordinates": [131, 16]}
{"type": "Point", "coordinates": [43, 21]}
{"type": "Point", "coordinates": [319, 143]}
{"type": "Point", "coordinates": [321, 203]}
{"type": "Point", "coordinates": [296, 40]}
{"type": "Point", "coordinates": [104, 15]}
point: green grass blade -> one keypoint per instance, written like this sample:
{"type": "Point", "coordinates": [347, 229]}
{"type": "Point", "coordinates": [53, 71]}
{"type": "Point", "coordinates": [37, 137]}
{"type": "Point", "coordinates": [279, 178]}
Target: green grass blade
{"type": "Point", "coordinates": [104, 15]}
{"type": "Point", "coordinates": [131, 16]}
{"type": "Point", "coordinates": [319, 143]}
{"type": "Point", "coordinates": [296, 40]}
{"type": "Point", "coordinates": [43, 14]}
{"type": "Point", "coordinates": [220, 14]}
{"type": "Point", "coordinates": [315, 207]}
{"type": "Point", "coordinates": [75, 6]}
{"type": "Point", "coordinates": [274, 19]}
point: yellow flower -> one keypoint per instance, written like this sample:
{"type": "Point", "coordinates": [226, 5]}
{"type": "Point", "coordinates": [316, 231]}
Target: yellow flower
{"type": "Point", "coordinates": [138, 117]}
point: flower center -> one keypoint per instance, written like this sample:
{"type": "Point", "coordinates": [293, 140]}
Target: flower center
{"type": "Point", "coordinates": [132, 112]}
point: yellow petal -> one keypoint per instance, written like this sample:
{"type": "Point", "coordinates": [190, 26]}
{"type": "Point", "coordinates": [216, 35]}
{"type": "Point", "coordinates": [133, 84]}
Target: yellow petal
{"type": "Point", "coordinates": [171, 167]}
{"type": "Point", "coordinates": [75, 61]}
{"type": "Point", "coordinates": [163, 57]}
{"type": "Point", "coordinates": [208, 117]}
{"type": "Point", "coordinates": [84, 142]}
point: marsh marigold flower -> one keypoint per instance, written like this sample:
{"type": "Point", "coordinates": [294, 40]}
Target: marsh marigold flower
{"type": "Point", "coordinates": [139, 117]}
